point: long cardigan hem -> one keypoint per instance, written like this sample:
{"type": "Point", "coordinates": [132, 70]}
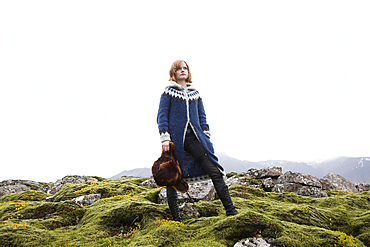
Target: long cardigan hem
{"type": "Point", "coordinates": [178, 108]}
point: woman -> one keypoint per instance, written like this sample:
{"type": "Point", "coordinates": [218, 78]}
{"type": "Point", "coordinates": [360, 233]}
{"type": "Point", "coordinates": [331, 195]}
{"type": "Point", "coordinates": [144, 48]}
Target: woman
{"type": "Point", "coordinates": [182, 120]}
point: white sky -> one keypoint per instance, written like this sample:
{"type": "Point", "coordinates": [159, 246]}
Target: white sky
{"type": "Point", "coordinates": [80, 81]}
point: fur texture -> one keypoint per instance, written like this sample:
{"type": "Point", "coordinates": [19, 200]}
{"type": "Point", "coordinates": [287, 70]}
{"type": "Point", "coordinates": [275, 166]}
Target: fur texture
{"type": "Point", "coordinates": [166, 171]}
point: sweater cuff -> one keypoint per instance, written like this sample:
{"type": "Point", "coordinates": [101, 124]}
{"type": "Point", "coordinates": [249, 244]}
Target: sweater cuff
{"type": "Point", "coordinates": [207, 132]}
{"type": "Point", "coordinates": [165, 136]}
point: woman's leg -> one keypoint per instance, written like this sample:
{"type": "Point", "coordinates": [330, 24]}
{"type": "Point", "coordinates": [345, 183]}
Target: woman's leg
{"type": "Point", "coordinates": [173, 203]}
{"type": "Point", "coordinates": [195, 148]}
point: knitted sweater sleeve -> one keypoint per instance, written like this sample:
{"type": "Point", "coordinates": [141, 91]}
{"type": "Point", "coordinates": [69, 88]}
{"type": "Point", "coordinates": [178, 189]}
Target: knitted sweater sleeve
{"type": "Point", "coordinates": [203, 118]}
{"type": "Point", "coordinates": [162, 118]}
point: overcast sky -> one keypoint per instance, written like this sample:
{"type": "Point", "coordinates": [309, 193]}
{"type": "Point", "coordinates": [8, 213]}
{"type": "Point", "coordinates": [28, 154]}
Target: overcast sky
{"type": "Point", "coordinates": [81, 81]}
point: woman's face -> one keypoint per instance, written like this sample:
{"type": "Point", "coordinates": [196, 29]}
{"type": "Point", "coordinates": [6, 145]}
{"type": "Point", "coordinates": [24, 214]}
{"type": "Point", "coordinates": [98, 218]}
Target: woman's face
{"type": "Point", "coordinates": [182, 72]}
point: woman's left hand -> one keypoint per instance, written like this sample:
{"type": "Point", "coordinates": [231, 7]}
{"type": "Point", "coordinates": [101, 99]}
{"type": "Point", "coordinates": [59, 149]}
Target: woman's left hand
{"type": "Point", "coordinates": [165, 146]}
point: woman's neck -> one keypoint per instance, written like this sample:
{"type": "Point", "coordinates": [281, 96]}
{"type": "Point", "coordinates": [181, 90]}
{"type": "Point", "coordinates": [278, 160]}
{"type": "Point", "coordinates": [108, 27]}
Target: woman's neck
{"type": "Point", "coordinates": [182, 83]}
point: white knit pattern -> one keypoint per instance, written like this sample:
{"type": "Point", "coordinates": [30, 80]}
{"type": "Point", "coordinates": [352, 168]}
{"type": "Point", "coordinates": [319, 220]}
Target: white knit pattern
{"type": "Point", "coordinates": [203, 178]}
{"type": "Point", "coordinates": [182, 95]}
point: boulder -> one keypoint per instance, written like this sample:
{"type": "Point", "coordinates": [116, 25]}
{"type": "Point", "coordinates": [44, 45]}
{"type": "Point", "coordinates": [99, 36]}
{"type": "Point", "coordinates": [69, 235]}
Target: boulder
{"type": "Point", "coordinates": [13, 189]}
{"type": "Point", "coordinates": [299, 178]}
{"type": "Point", "coordinates": [30, 183]}
{"type": "Point", "coordinates": [87, 200]}
{"type": "Point", "coordinates": [55, 187]}
{"type": "Point", "coordinates": [14, 182]}
{"type": "Point", "coordinates": [252, 242]}
{"type": "Point", "coordinates": [149, 183]}
{"type": "Point", "coordinates": [197, 191]}
{"type": "Point", "coordinates": [362, 187]}
{"type": "Point", "coordinates": [189, 211]}
{"type": "Point", "coordinates": [267, 184]}
{"type": "Point", "coordinates": [337, 182]}
{"type": "Point", "coordinates": [270, 172]}
{"type": "Point", "coordinates": [299, 189]}
{"type": "Point", "coordinates": [234, 180]}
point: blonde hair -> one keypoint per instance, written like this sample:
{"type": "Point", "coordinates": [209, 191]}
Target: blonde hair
{"type": "Point", "coordinates": [175, 66]}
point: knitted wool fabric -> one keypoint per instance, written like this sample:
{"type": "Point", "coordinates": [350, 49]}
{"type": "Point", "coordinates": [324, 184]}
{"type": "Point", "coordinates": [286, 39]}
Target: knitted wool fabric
{"type": "Point", "coordinates": [179, 108]}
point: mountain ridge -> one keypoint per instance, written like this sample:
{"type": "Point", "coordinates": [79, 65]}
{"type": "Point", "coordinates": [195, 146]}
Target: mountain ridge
{"type": "Point", "coordinates": [355, 169]}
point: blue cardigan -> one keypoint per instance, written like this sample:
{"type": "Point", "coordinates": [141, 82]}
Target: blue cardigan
{"type": "Point", "coordinates": [179, 108]}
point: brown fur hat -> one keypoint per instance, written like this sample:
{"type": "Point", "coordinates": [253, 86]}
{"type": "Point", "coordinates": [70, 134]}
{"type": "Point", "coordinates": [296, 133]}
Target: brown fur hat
{"type": "Point", "coordinates": [166, 171]}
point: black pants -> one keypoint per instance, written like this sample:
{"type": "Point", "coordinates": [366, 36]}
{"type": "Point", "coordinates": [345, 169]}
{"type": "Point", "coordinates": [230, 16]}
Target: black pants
{"type": "Point", "coordinates": [195, 149]}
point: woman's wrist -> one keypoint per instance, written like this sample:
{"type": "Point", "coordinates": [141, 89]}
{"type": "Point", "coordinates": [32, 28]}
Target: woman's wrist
{"type": "Point", "coordinates": [165, 137]}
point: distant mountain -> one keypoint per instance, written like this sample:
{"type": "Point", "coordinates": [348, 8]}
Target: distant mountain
{"type": "Point", "coordinates": [234, 165]}
{"type": "Point", "coordinates": [300, 167]}
{"type": "Point", "coordinates": [357, 170]}
{"type": "Point", "coordinates": [137, 172]}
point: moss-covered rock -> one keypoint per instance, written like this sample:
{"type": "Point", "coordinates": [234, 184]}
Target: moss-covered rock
{"type": "Point", "coordinates": [234, 228]}
{"type": "Point", "coordinates": [29, 195]}
{"type": "Point", "coordinates": [106, 188]}
{"type": "Point", "coordinates": [114, 213]}
{"type": "Point", "coordinates": [128, 215]}
{"type": "Point", "coordinates": [51, 215]}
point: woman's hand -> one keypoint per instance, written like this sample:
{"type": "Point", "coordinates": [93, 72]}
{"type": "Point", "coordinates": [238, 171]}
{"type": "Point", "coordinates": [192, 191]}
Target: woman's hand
{"type": "Point", "coordinates": [165, 146]}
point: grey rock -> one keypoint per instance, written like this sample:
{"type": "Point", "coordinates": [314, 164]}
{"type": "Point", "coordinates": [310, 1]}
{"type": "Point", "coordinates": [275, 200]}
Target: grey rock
{"type": "Point", "coordinates": [189, 211]}
{"type": "Point", "coordinates": [299, 189]}
{"type": "Point", "coordinates": [267, 184]}
{"type": "Point", "coordinates": [13, 189]}
{"type": "Point", "coordinates": [55, 187]}
{"type": "Point", "coordinates": [299, 178]}
{"type": "Point", "coordinates": [47, 199]}
{"type": "Point", "coordinates": [337, 182]}
{"type": "Point", "coordinates": [87, 200]}
{"type": "Point", "coordinates": [237, 181]}
{"type": "Point", "coordinates": [37, 185]}
{"type": "Point", "coordinates": [270, 172]}
{"type": "Point", "coordinates": [252, 242]}
{"type": "Point", "coordinates": [260, 242]}
{"type": "Point", "coordinates": [149, 183]}
{"type": "Point", "coordinates": [197, 191]}
{"type": "Point", "coordinates": [362, 187]}
{"type": "Point", "coordinates": [14, 182]}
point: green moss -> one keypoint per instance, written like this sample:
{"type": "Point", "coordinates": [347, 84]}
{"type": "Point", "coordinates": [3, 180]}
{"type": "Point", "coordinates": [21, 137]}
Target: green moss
{"type": "Point", "coordinates": [23, 236]}
{"type": "Point", "coordinates": [98, 178]}
{"type": "Point", "coordinates": [29, 195]}
{"type": "Point", "coordinates": [234, 228]}
{"type": "Point", "coordinates": [32, 186]}
{"type": "Point", "coordinates": [50, 215]}
{"type": "Point", "coordinates": [230, 174]}
{"type": "Point", "coordinates": [68, 192]}
{"type": "Point", "coordinates": [128, 215]}
{"type": "Point", "coordinates": [106, 188]}
{"type": "Point", "coordinates": [345, 240]}
{"type": "Point", "coordinates": [125, 212]}
{"type": "Point", "coordinates": [246, 192]}
{"type": "Point", "coordinates": [151, 195]}
{"type": "Point", "coordinates": [208, 209]}
{"type": "Point", "coordinates": [364, 237]}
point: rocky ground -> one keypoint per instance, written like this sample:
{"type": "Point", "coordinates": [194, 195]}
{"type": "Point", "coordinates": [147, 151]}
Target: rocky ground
{"type": "Point", "coordinates": [275, 209]}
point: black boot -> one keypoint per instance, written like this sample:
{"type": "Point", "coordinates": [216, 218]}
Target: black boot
{"type": "Point", "coordinates": [173, 203]}
{"type": "Point", "coordinates": [224, 195]}
{"type": "Point", "coordinates": [220, 186]}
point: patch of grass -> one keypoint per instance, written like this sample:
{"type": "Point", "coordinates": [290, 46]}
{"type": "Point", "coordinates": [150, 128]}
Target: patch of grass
{"type": "Point", "coordinates": [230, 174]}
{"type": "Point", "coordinates": [107, 188]}
{"type": "Point", "coordinates": [128, 215]}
